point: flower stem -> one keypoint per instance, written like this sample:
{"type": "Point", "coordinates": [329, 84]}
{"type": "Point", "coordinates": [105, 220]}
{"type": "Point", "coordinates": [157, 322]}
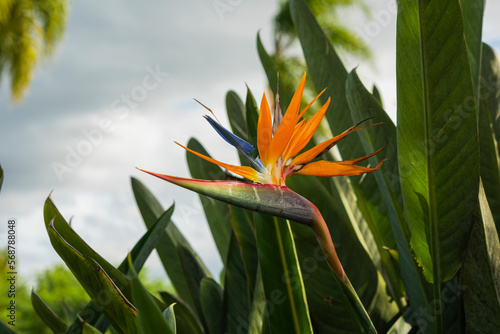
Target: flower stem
{"type": "Point", "coordinates": [325, 242]}
{"type": "Point", "coordinates": [324, 238]}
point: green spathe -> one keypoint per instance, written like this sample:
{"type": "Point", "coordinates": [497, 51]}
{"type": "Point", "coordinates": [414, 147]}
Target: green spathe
{"type": "Point", "coordinates": [270, 199]}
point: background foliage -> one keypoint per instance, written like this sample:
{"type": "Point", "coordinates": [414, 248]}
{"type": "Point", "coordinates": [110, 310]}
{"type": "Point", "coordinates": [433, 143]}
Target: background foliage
{"type": "Point", "coordinates": [418, 239]}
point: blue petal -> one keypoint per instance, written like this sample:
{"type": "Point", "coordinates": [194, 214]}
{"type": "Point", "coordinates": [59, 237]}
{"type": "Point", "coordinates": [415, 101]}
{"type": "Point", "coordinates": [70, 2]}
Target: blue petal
{"type": "Point", "coordinates": [259, 162]}
{"type": "Point", "coordinates": [230, 137]}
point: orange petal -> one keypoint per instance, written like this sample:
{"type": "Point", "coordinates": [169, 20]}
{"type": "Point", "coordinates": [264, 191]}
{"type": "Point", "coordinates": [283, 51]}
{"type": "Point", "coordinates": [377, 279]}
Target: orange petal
{"type": "Point", "coordinates": [336, 168]}
{"type": "Point", "coordinates": [310, 104]}
{"type": "Point", "coordinates": [300, 140]}
{"type": "Point", "coordinates": [264, 130]}
{"type": "Point", "coordinates": [244, 171]}
{"type": "Point", "coordinates": [285, 129]}
{"type": "Point", "coordinates": [322, 148]}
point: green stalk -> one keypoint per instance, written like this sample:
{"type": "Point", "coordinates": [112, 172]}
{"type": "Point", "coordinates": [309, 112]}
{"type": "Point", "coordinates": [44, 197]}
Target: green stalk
{"type": "Point", "coordinates": [325, 241]}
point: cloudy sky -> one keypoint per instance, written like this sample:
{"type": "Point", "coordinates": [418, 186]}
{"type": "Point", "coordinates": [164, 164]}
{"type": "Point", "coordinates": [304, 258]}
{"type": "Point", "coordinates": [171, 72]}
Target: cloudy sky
{"type": "Point", "coordinates": [117, 93]}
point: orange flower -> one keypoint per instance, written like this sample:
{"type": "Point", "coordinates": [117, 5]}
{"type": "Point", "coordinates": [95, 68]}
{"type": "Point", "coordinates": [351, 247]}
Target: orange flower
{"type": "Point", "coordinates": [278, 147]}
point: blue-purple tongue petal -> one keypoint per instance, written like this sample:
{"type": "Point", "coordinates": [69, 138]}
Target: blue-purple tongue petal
{"type": "Point", "coordinates": [230, 137]}
{"type": "Point", "coordinates": [243, 147]}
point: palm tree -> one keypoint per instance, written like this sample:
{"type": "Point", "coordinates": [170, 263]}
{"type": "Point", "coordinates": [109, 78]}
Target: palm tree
{"type": "Point", "coordinates": [29, 29]}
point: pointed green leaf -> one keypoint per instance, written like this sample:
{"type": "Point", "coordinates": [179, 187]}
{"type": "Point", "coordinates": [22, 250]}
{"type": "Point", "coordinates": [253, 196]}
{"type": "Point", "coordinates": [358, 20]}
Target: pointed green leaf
{"type": "Point", "coordinates": [377, 96]}
{"type": "Point", "coordinates": [169, 315]}
{"type": "Point", "coordinates": [481, 273]}
{"type": "Point", "coordinates": [96, 283]}
{"type": "Point", "coordinates": [236, 114]}
{"type": "Point", "coordinates": [145, 246]}
{"type": "Point", "coordinates": [140, 253]}
{"type": "Point", "coordinates": [281, 275]}
{"type": "Point", "coordinates": [49, 317]}
{"type": "Point", "coordinates": [211, 304]}
{"type": "Point", "coordinates": [151, 210]}
{"type": "Point", "coordinates": [185, 319]}
{"type": "Point", "coordinates": [149, 315]}
{"type": "Point", "coordinates": [52, 214]}
{"type": "Point", "coordinates": [252, 116]}
{"type": "Point", "coordinates": [437, 133]}
{"type": "Point", "coordinates": [437, 136]}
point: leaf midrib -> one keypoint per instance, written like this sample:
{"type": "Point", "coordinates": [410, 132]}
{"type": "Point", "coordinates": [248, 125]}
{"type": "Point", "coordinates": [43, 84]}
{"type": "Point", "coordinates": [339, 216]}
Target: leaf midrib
{"type": "Point", "coordinates": [432, 214]}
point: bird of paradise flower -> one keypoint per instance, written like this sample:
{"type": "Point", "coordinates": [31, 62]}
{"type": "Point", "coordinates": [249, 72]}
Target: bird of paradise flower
{"type": "Point", "coordinates": [280, 139]}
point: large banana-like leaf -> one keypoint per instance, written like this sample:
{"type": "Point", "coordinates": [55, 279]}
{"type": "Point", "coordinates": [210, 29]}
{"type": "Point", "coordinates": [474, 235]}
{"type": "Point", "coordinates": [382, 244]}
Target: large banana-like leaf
{"type": "Point", "coordinates": [363, 104]}
{"type": "Point", "coordinates": [287, 308]}
{"type": "Point", "coordinates": [481, 273]}
{"type": "Point", "coordinates": [473, 12]}
{"type": "Point", "coordinates": [437, 134]}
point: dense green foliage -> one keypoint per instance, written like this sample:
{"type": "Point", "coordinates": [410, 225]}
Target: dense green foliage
{"type": "Point", "coordinates": [418, 239]}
